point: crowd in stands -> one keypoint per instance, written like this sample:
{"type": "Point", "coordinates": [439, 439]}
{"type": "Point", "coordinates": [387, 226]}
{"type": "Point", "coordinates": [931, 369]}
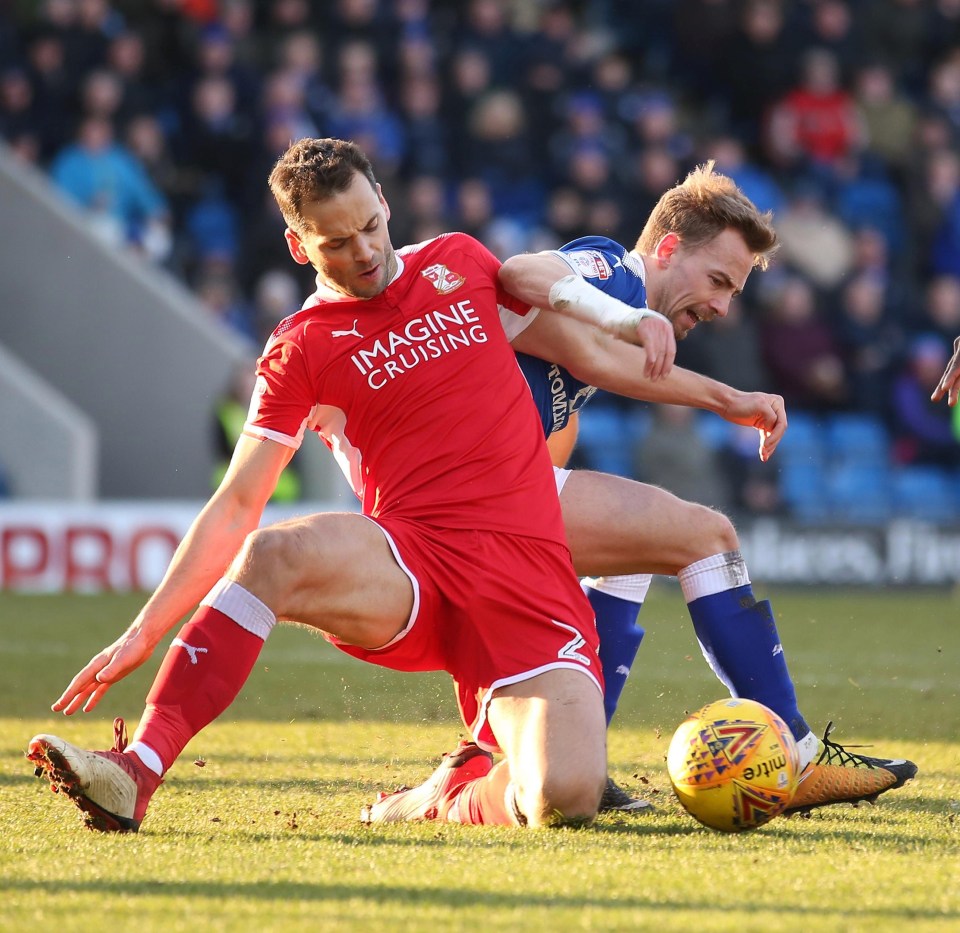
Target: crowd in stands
{"type": "Point", "coordinates": [528, 123]}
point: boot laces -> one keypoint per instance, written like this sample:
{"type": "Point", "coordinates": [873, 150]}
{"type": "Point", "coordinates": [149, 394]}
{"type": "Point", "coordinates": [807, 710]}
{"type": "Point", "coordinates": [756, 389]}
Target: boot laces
{"type": "Point", "coordinates": [119, 735]}
{"type": "Point", "coordinates": [834, 754]}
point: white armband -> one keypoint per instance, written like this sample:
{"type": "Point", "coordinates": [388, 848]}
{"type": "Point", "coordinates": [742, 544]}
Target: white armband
{"type": "Point", "coordinates": [572, 295]}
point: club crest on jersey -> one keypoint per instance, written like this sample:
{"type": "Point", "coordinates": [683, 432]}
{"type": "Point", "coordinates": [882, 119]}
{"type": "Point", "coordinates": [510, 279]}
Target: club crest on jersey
{"type": "Point", "coordinates": [590, 263]}
{"type": "Point", "coordinates": [442, 279]}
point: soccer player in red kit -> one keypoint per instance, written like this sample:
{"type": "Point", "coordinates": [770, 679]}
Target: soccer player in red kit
{"type": "Point", "coordinates": [400, 363]}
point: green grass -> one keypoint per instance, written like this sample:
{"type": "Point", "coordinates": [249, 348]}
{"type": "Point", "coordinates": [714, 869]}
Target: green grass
{"type": "Point", "coordinates": [265, 835]}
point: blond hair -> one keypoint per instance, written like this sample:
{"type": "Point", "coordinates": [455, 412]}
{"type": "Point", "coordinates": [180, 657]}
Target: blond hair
{"type": "Point", "coordinates": [701, 207]}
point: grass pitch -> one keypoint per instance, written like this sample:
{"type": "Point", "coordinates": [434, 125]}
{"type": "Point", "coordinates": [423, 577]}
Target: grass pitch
{"type": "Point", "coordinates": [257, 826]}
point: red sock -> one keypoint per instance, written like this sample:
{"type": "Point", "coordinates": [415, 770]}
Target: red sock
{"type": "Point", "coordinates": [483, 800]}
{"type": "Point", "coordinates": [203, 671]}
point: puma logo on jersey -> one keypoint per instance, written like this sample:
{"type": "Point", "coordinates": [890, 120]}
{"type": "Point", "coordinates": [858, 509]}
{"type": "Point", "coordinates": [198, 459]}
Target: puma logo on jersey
{"type": "Point", "coordinates": [353, 332]}
{"type": "Point", "coordinates": [193, 652]}
{"type": "Point", "coordinates": [442, 279]}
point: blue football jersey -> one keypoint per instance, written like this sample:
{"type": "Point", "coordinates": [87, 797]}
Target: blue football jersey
{"type": "Point", "coordinates": [606, 265]}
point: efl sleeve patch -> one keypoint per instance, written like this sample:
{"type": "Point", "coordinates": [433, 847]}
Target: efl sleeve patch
{"type": "Point", "coordinates": [589, 263]}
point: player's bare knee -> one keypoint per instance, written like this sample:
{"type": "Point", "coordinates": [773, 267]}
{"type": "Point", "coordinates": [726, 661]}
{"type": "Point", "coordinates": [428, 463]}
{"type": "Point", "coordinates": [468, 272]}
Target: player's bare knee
{"type": "Point", "coordinates": [267, 561]}
{"type": "Point", "coordinates": [715, 533]}
{"type": "Point", "coordinates": [567, 800]}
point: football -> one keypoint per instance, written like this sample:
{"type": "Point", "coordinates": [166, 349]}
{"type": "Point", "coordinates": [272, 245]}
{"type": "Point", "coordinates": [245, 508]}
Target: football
{"type": "Point", "coordinates": [733, 765]}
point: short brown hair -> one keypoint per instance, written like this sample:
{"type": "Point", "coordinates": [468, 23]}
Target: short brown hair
{"type": "Point", "coordinates": [701, 207]}
{"type": "Point", "coordinates": [313, 170]}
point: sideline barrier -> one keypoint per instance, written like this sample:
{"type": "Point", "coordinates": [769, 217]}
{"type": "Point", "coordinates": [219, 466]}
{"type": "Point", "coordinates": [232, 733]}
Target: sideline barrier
{"type": "Point", "coordinates": [49, 547]}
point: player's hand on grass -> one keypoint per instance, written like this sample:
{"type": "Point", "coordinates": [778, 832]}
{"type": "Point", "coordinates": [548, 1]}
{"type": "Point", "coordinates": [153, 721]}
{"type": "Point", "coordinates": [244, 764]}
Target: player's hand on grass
{"type": "Point", "coordinates": [655, 335]}
{"type": "Point", "coordinates": [949, 384]}
{"type": "Point", "coordinates": [764, 412]}
{"type": "Point", "coordinates": [86, 690]}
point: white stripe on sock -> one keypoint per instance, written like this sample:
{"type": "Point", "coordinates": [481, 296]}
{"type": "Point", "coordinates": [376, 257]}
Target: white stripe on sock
{"type": "Point", "coordinates": [632, 587]}
{"type": "Point", "coordinates": [147, 755]}
{"type": "Point", "coordinates": [242, 606]}
{"type": "Point", "coordinates": [715, 574]}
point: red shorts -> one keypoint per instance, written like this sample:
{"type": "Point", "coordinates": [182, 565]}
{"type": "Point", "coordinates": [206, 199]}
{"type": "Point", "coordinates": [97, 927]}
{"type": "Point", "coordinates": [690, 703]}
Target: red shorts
{"type": "Point", "coordinates": [491, 609]}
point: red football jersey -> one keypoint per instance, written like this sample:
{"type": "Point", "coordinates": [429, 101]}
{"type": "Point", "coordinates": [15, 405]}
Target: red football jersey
{"type": "Point", "coordinates": [418, 395]}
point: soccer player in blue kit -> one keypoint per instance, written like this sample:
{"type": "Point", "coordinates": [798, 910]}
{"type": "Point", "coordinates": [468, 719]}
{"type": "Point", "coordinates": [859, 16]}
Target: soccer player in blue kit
{"type": "Point", "coordinates": [693, 257]}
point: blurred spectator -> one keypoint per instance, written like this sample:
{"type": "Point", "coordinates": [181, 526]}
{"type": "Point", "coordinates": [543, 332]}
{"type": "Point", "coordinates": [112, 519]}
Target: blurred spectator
{"type": "Point", "coordinates": [941, 308]}
{"type": "Point", "coordinates": [673, 454]}
{"type": "Point", "coordinates": [147, 142]}
{"type": "Point", "coordinates": [730, 157]}
{"type": "Point", "coordinates": [728, 351]}
{"type": "Point", "coordinates": [566, 215]}
{"type": "Point", "coordinates": [944, 89]}
{"type": "Point", "coordinates": [20, 122]}
{"type": "Point", "coordinates": [126, 61]}
{"type": "Point", "coordinates": [422, 213]}
{"type": "Point", "coordinates": [426, 134]}
{"type": "Point", "coordinates": [469, 79]}
{"type": "Point", "coordinates": [213, 235]}
{"type": "Point", "coordinates": [934, 194]}
{"type": "Point", "coordinates": [799, 349]}
{"type": "Point", "coordinates": [362, 113]}
{"type": "Point", "coordinates": [101, 95]}
{"type": "Point", "coordinates": [500, 153]}
{"type": "Point", "coordinates": [923, 432]}
{"type": "Point", "coordinates": [95, 24]}
{"type": "Point", "coordinates": [228, 417]}
{"type": "Point", "coordinates": [585, 127]}
{"type": "Point", "coordinates": [276, 295]}
{"type": "Point", "coordinates": [889, 116]}
{"type": "Point", "coordinates": [831, 27]}
{"type": "Point", "coordinates": [218, 139]}
{"type": "Point", "coordinates": [284, 101]}
{"type": "Point", "coordinates": [53, 87]}
{"type": "Point", "coordinates": [865, 196]}
{"type": "Point", "coordinates": [105, 179]}
{"type": "Point", "coordinates": [222, 300]}
{"type": "Point", "coordinates": [897, 32]}
{"type": "Point", "coordinates": [655, 170]}
{"type": "Point", "coordinates": [871, 343]}
{"type": "Point", "coordinates": [814, 241]}
{"type": "Point", "coordinates": [486, 28]}
{"type": "Point", "coordinates": [816, 123]}
{"type": "Point", "coordinates": [301, 56]}
{"type": "Point", "coordinates": [701, 31]}
{"type": "Point", "coordinates": [748, 94]}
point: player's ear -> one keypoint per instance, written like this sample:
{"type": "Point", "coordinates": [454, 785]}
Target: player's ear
{"type": "Point", "coordinates": [383, 201]}
{"type": "Point", "coordinates": [667, 247]}
{"type": "Point", "coordinates": [295, 245]}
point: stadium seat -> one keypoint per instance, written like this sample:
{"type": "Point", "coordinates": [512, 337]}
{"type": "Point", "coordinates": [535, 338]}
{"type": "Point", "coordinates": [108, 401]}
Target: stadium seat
{"type": "Point", "coordinates": [859, 493]}
{"type": "Point", "coordinates": [857, 437]}
{"type": "Point", "coordinates": [604, 441]}
{"type": "Point", "coordinates": [925, 493]}
{"type": "Point", "coordinates": [804, 490]}
{"type": "Point", "coordinates": [803, 441]}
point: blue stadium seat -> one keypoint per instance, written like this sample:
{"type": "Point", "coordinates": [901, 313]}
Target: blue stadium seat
{"type": "Point", "coordinates": [605, 441]}
{"type": "Point", "coordinates": [803, 487]}
{"type": "Point", "coordinates": [925, 493]}
{"type": "Point", "coordinates": [859, 493]}
{"type": "Point", "coordinates": [804, 440]}
{"type": "Point", "coordinates": [857, 437]}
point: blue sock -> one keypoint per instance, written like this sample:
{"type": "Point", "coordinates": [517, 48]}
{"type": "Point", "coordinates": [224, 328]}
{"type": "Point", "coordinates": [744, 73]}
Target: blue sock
{"type": "Point", "coordinates": [620, 638]}
{"type": "Point", "coordinates": [739, 639]}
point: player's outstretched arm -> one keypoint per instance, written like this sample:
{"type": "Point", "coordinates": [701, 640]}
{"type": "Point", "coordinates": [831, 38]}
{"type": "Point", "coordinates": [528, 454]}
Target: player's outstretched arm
{"type": "Point", "coordinates": [597, 359]}
{"type": "Point", "coordinates": [545, 281]}
{"type": "Point", "coordinates": [949, 384]}
{"type": "Point", "coordinates": [206, 551]}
